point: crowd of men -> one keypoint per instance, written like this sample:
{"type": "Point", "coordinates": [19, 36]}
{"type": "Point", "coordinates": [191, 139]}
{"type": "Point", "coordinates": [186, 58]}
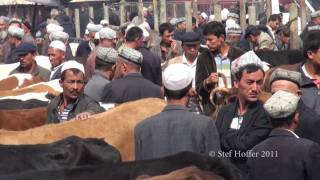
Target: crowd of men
{"type": "Point", "coordinates": [278, 139]}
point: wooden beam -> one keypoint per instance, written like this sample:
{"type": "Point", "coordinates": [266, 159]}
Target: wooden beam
{"type": "Point", "coordinates": [217, 13]}
{"type": "Point", "coordinates": [122, 11]}
{"type": "Point", "coordinates": [195, 9]}
{"type": "Point", "coordinates": [174, 10]}
{"type": "Point", "coordinates": [140, 11]}
{"type": "Point", "coordinates": [188, 15]}
{"type": "Point", "coordinates": [106, 12]}
{"type": "Point", "coordinates": [269, 8]}
{"type": "Point", "coordinates": [91, 14]}
{"type": "Point", "coordinates": [252, 15]}
{"type": "Point", "coordinates": [163, 11]}
{"type": "Point", "coordinates": [77, 22]}
{"type": "Point", "coordinates": [243, 13]}
{"type": "Point", "coordinates": [294, 39]}
{"type": "Point", "coordinates": [156, 15]}
{"type": "Point", "coordinates": [303, 14]}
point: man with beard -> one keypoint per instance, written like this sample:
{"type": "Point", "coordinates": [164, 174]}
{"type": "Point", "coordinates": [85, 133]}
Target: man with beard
{"type": "Point", "coordinates": [26, 54]}
{"type": "Point", "coordinates": [15, 39]}
{"type": "Point", "coordinates": [4, 44]}
{"type": "Point", "coordinates": [168, 47]}
{"type": "Point", "coordinates": [130, 85]}
{"type": "Point", "coordinates": [57, 56]}
{"type": "Point", "coordinates": [244, 123]}
{"type": "Point", "coordinates": [212, 61]}
{"type": "Point", "coordinates": [72, 103]}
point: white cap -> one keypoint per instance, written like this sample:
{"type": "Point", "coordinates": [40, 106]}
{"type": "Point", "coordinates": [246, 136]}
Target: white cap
{"type": "Point", "coordinates": [145, 25]}
{"type": "Point", "coordinates": [224, 14]}
{"type": "Point", "coordinates": [94, 27]}
{"type": "Point", "coordinates": [72, 64]}
{"type": "Point", "coordinates": [107, 33]}
{"type": "Point", "coordinates": [59, 35]}
{"type": "Point", "coordinates": [204, 15]}
{"type": "Point", "coordinates": [247, 58]}
{"type": "Point", "coordinates": [104, 22]}
{"type": "Point", "coordinates": [97, 36]}
{"type": "Point", "coordinates": [53, 27]}
{"type": "Point", "coordinates": [281, 104]}
{"type": "Point", "coordinates": [128, 27]}
{"type": "Point", "coordinates": [146, 34]}
{"type": "Point", "coordinates": [58, 45]}
{"type": "Point", "coordinates": [177, 77]}
{"type": "Point", "coordinates": [211, 17]}
{"type": "Point", "coordinates": [15, 31]}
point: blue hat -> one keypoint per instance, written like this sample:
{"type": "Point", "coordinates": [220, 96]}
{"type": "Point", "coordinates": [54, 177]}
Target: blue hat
{"type": "Point", "coordinates": [191, 38]}
{"type": "Point", "coordinates": [25, 48]}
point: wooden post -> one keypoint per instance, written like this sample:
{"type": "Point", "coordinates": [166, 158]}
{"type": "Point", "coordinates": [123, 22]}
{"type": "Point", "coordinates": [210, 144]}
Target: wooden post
{"type": "Point", "coordinates": [213, 3]}
{"type": "Point", "coordinates": [195, 9]}
{"type": "Point", "coordinates": [67, 11]}
{"type": "Point", "coordinates": [217, 13]}
{"type": "Point", "coordinates": [122, 12]}
{"type": "Point", "coordinates": [106, 12]}
{"type": "Point", "coordinates": [156, 15]}
{"type": "Point", "coordinates": [77, 22]}
{"type": "Point", "coordinates": [140, 11]}
{"type": "Point", "coordinates": [294, 39]}
{"type": "Point", "coordinates": [174, 10]}
{"type": "Point", "coordinates": [252, 15]}
{"type": "Point", "coordinates": [163, 11]}
{"type": "Point", "coordinates": [188, 15]}
{"type": "Point", "coordinates": [303, 14]}
{"type": "Point", "coordinates": [243, 13]}
{"type": "Point", "coordinates": [269, 8]}
{"type": "Point", "coordinates": [91, 14]}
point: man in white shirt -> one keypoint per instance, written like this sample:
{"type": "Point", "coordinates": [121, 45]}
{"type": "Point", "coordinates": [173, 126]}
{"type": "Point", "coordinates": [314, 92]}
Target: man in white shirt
{"type": "Point", "coordinates": [57, 57]}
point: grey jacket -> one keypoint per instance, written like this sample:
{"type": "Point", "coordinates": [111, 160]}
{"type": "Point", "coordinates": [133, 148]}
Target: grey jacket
{"type": "Point", "coordinates": [173, 130]}
{"type": "Point", "coordinates": [95, 86]}
{"type": "Point", "coordinates": [157, 50]}
{"type": "Point", "coordinates": [83, 104]}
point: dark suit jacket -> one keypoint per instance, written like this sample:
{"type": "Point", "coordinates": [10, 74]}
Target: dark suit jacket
{"type": "Point", "coordinates": [151, 66]}
{"type": "Point", "coordinates": [205, 66]}
{"type": "Point", "coordinates": [293, 158]}
{"type": "Point", "coordinates": [173, 130]}
{"type": "Point", "coordinates": [129, 88]}
{"type": "Point", "coordinates": [254, 129]}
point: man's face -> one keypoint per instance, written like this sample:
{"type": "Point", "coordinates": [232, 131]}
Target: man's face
{"type": "Point", "coordinates": [2, 26]}
{"type": "Point", "coordinates": [56, 56]}
{"type": "Point", "coordinates": [285, 85]}
{"type": "Point", "coordinates": [118, 72]}
{"type": "Point", "coordinates": [26, 60]}
{"type": "Point", "coordinates": [91, 35]}
{"type": "Point", "coordinates": [213, 42]}
{"type": "Point", "coordinates": [254, 39]}
{"type": "Point", "coordinates": [250, 85]}
{"type": "Point", "coordinates": [182, 25]}
{"type": "Point", "coordinates": [284, 39]}
{"type": "Point", "coordinates": [12, 40]}
{"type": "Point", "coordinates": [316, 20]}
{"type": "Point", "coordinates": [314, 57]}
{"type": "Point", "coordinates": [72, 85]}
{"type": "Point", "coordinates": [234, 38]}
{"type": "Point", "coordinates": [201, 19]}
{"type": "Point", "coordinates": [191, 49]}
{"type": "Point", "coordinates": [167, 37]}
{"type": "Point", "coordinates": [274, 24]}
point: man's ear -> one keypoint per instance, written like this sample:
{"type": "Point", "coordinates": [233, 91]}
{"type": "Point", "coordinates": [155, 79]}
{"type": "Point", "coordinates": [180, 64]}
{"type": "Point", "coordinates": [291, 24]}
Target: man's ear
{"type": "Point", "coordinates": [61, 83]}
{"type": "Point", "coordinates": [310, 54]}
{"type": "Point", "coordinates": [236, 84]}
{"type": "Point", "coordinates": [296, 119]}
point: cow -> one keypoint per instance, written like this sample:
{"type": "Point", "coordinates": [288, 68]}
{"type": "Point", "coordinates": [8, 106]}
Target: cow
{"type": "Point", "coordinates": [138, 169]}
{"type": "Point", "coordinates": [116, 126]}
{"type": "Point", "coordinates": [17, 81]}
{"type": "Point", "coordinates": [276, 58]}
{"type": "Point", "coordinates": [22, 119]}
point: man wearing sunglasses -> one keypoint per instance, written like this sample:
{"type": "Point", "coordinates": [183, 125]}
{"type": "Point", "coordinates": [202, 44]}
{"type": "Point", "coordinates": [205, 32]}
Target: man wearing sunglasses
{"type": "Point", "coordinates": [26, 54]}
{"type": "Point", "coordinates": [72, 103]}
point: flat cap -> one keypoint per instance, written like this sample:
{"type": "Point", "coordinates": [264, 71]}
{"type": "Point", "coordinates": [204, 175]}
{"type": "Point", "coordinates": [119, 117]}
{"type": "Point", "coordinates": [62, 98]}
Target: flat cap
{"type": "Point", "coordinates": [107, 55]}
{"type": "Point", "coordinates": [315, 14]}
{"type": "Point", "coordinates": [94, 27]}
{"type": "Point", "coordinates": [281, 104]}
{"type": "Point", "coordinates": [72, 64]}
{"type": "Point", "coordinates": [246, 59]}
{"type": "Point", "coordinates": [59, 35]}
{"type": "Point", "coordinates": [283, 74]}
{"type": "Point", "coordinates": [25, 48]}
{"type": "Point", "coordinates": [191, 38]}
{"type": "Point", "coordinates": [180, 20]}
{"type": "Point", "coordinates": [107, 33]}
{"type": "Point", "coordinates": [15, 31]}
{"type": "Point", "coordinates": [177, 77]}
{"type": "Point", "coordinates": [58, 45]}
{"type": "Point", "coordinates": [131, 55]}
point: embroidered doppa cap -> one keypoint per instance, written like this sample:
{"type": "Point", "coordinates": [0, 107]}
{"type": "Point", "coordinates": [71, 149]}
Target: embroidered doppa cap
{"type": "Point", "coordinates": [107, 33]}
{"type": "Point", "coordinates": [72, 64]}
{"type": "Point", "coordinates": [246, 59]}
{"type": "Point", "coordinates": [283, 74]}
{"type": "Point", "coordinates": [177, 77]}
{"type": "Point", "coordinates": [107, 55]}
{"type": "Point", "coordinates": [281, 104]}
{"type": "Point", "coordinates": [58, 45]}
{"type": "Point", "coordinates": [131, 55]}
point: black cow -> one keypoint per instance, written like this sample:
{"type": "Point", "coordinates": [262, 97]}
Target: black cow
{"type": "Point", "coordinates": [276, 58]}
{"type": "Point", "coordinates": [18, 104]}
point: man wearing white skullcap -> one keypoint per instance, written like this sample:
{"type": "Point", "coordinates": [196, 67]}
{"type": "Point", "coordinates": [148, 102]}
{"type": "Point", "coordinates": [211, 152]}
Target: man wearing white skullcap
{"type": "Point", "coordinates": [176, 129]}
{"type": "Point", "coordinates": [128, 83]}
{"type": "Point", "coordinates": [15, 35]}
{"type": "Point", "coordinates": [289, 156]}
{"type": "Point", "coordinates": [57, 56]}
{"type": "Point", "coordinates": [72, 102]}
{"type": "Point", "coordinates": [244, 123]}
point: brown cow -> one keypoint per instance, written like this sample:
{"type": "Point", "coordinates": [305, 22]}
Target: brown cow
{"type": "Point", "coordinates": [116, 126]}
{"type": "Point", "coordinates": [16, 81]}
{"type": "Point", "coordinates": [22, 119]}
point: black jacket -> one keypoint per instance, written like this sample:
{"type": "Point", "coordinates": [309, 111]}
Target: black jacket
{"type": "Point", "coordinates": [286, 157]}
{"type": "Point", "coordinates": [205, 66]}
{"type": "Point", "coordinates": [254, 129]}
{"type": "Point", "coordinates": [129, 88]}
{"type": "Point", "coordinates": [151, 66]}
{"type": "Point", "coordinates": [83, 104]}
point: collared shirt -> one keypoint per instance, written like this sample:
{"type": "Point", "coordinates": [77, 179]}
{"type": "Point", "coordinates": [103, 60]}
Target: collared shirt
{"type": "Point", "coordinates": [272, 31]}
{"type": "Point", "coordinates": [292, 133]}
{"type": "Point", "coordinates": [55, 69]}
{"type": "Point", "coordinates": [193, 67]}
{"type": "Point", "coordinates": [224, 67]}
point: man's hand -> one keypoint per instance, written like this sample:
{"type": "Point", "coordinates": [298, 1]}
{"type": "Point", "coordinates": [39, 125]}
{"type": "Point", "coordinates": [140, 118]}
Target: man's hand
{"type": "Point", "coordinates": [83, 116]}
{"type": "Point", "coordinates": [174, 47]}
{"type": "Point", "coordinates": [212, 79]}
